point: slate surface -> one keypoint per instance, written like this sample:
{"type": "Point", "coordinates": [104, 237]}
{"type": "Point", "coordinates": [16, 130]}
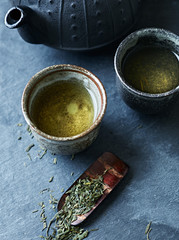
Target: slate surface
{"type": "Point", "coordinates": [148, 144]}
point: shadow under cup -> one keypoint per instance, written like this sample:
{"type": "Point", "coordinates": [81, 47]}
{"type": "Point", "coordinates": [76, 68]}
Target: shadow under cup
{"type": "Point", "coordinates": [149, 103]}
{"type": "Point", "coordinates": [71, 144]}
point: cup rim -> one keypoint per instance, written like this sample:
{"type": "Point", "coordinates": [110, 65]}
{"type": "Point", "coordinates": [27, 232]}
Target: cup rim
{"type": "Point", "coordinates": [64, 67]}
{"type": "Point", "coordinates": [120, 74]}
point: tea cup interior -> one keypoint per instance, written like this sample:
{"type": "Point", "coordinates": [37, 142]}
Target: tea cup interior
{"type": "Point", "coordinates": [149, 37]}
{"type": "Point", "coordinates": [64, 73]}
{"type": "Point", "coordinates": [155, 97]}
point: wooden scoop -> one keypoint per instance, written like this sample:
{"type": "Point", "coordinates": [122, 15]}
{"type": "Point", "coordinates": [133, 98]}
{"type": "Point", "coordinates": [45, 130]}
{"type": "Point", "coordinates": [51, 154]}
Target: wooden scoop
{"type": "Point", "coordinates": [113, 171]}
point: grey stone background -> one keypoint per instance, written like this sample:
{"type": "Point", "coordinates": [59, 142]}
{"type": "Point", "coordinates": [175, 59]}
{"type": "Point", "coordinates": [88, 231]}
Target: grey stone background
{"type": "Point", "coordinates": [148, 144]}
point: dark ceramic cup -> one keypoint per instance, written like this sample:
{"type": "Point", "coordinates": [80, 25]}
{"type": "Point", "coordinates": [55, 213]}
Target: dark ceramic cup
{"type": "Point", "coordinates": [145, 102]}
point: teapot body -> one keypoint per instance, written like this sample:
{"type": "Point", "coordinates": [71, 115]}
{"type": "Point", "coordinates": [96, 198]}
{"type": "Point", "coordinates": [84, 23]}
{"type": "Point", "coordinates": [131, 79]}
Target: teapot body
{"type": "Point", "coordinates": [79, 24]}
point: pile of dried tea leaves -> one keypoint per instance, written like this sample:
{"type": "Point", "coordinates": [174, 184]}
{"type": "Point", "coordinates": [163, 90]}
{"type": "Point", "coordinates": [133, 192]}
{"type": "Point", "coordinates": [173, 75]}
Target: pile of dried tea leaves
{"type": "Point", "coordinates": [81, 199]}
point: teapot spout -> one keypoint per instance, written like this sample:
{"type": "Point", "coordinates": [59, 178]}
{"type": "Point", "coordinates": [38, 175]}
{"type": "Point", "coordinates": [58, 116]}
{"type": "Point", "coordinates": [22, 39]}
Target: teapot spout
{"type": "Point", "coordinates": [27, 22]}
{"type": "Point", "coordinates": [15, 17]}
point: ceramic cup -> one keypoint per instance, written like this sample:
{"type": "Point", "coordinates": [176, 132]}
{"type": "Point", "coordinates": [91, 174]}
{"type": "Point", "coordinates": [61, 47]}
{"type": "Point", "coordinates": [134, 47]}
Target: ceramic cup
{"type": "Point", "coordinates": [49, 75]}
{"type": "Point", "coordinates": [138, 100]}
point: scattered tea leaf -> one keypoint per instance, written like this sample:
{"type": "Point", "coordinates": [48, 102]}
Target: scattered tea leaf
{"type": "Point", "coordinates": [35, 211]}
{"type": "Point", "coordinates": [29, 147]}
{"type": "Point", "coordinates": [42, 215]}
{"type": "Point", "coordinates": [29, 156]}
{"type": "Point", "coordinates": [53, 200]}
{"type": "Point", "coordinates": [41, 204]}
{"type": "Point", "coordinates": [41, 236]}
{"type": "Point", "coordinates": [44, 190]}
{"type": "Point", "coordinates": [55, 161]}
{"type": "Point", "coordinates": [148, 227]}
{"type": "Point", "coordinates": [42, 212]}
{"type": "Point", "coordinates": [95, 229]}
{"type": "Point", "coordinates": [43, 154]}
{"type": "Point", "coordinates": [28, 129]}
{"type": "Point", "coordinates": [44, 226]}
{"type": "Point", "coordinates": [51, 179]}
{"type": "Point", "coordinates": [42, 147]}
{"type": "Point", "coordinates": [19, 124]}
{"type": "Point", "coordinates": [148, 230]}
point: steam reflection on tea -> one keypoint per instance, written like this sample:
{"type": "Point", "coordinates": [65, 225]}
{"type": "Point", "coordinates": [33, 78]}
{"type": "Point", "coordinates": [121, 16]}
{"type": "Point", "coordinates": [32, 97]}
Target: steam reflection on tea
{"type": "Point", "coordinates": [63, 109]}
{"type": "Point", "coordinates": [151, 69]}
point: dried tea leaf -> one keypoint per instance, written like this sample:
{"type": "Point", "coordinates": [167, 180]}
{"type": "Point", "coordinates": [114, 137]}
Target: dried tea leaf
{"type": "Point", "coordinates": [80, 199]}
{"type": "Point", "coordinates": [44, 190]}
{"type": "Point", "coordinates": [29, 147]}
{"type": "Point", "coordinates": [41, 204]}
{"type": "Point", "coordinates": [35, 211]}
{"type": "Point", "coordinates": [29, 156]}
{"type": "Point", "coordinates": [44, 226]}
{"type": "Point", "coordinates": [55, 161]}
{"type": "Point", "coordinates": [148, 227]}
{"type": "Point", "coordinates": [41, 236]}
{"type": "Point", "coordinates": [51, 179]}
{"type": "Point", "coordinates": [43, 154]}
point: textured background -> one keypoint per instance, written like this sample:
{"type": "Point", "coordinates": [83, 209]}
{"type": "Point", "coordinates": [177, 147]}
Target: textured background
{"type": "Point", "coordinates": [148, 144]}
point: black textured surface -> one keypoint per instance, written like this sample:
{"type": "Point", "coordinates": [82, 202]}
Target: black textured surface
{"type": "Point", "coordinates": [73, 25]}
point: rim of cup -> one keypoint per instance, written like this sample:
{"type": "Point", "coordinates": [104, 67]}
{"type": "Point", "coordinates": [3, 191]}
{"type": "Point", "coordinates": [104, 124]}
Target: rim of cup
{"type": "Point", "coordinates": [134, 36]}
{"type": "Point", "coordinates": [63, 67]}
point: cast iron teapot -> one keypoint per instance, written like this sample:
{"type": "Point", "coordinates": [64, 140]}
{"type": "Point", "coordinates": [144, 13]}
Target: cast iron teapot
{"type": "Point", "coordinates": [72, 24]}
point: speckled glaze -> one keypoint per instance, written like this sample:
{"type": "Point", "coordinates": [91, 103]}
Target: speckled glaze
{"type": "Point", "coordinates": [141, 101]}
{"type": "Point", "coordinates": [77, 143]}
{"type": "Point", "coordinates": [72, 24]}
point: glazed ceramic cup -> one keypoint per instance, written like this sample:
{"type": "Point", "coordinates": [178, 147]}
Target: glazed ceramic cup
{"type": "Point", "coordinates": [138, 100]}
{"type": "Point", "coordinates": [49, 75]}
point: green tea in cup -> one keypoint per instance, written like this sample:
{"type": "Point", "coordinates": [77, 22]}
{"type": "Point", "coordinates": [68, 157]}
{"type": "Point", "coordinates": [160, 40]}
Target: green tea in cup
{"type": "Point", "coordinates": [147, 69]}
{"type": "Point", "coordinates": [63, 109]}
{"type": "Point", "coordinates": [151, 68]}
